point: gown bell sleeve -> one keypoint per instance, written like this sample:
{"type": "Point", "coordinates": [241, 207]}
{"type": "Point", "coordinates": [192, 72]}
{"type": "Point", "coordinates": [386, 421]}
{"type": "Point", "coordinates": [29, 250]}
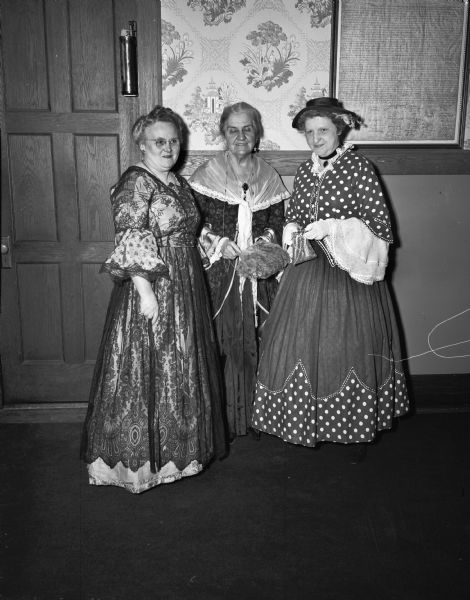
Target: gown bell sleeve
{"type": "Point", "coordinates": [359, 245]}
{"type": "Point", "coordinates": [136, 251]}
{"type": "Point", "coordinates": [356, 249]}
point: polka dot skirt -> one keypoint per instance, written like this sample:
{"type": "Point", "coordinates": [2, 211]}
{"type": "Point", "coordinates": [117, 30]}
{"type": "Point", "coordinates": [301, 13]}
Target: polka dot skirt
{"type": "Point", "coordinates": [353, 414]}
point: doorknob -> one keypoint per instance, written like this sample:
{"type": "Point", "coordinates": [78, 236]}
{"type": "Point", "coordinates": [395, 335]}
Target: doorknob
{"type": "Point", "coordinates": [6, 253]}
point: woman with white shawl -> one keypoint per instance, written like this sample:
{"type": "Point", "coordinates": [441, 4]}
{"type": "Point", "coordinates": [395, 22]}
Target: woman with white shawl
{"type": "Point", "coordinates": [241, 199]}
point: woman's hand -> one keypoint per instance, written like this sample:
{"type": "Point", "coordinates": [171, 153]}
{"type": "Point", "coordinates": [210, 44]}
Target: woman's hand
{"type": "Point", "coordinates": [149, 307]}
{"type": "Point", "coordinates": [288, 234]}
{"type": "Point", "coordinates": [230, 250]}
{"type": "Point", "coordinates": [148, 300]}
{"type": "Point", "coordinates": [317, 230]}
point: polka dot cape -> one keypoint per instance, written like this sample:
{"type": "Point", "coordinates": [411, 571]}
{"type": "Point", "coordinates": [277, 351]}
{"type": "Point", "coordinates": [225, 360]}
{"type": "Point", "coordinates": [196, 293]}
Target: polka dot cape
{"type": "Point", "coordinates": [347, 188]}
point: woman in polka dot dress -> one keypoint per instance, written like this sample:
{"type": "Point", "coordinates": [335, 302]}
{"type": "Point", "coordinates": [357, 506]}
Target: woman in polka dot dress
{"type": "Point", "coordinates": [330, 367]}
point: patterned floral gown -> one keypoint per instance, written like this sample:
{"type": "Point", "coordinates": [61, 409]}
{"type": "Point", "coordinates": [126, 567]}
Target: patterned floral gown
{"type": "Point", "coordinates": [330, 365]}
{"type": "Point", "coordinates": [154, 412]}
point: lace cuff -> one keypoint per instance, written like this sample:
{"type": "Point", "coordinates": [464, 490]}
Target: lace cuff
{"type": "Point", "coordinates": [357, 250]}
{"type": "Point", "coordinates": [136, 254]}
{"type": "Point", "coordinates": [210, 246]}
{"type": "Point", "coordinates": [269, 235]}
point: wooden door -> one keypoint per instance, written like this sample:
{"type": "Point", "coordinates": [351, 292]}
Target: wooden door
{"type": "Point", "coordinates": [65, 139]}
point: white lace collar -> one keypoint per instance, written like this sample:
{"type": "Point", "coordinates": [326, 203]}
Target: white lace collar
{"type": "Point", "coordinates": [318, 165]}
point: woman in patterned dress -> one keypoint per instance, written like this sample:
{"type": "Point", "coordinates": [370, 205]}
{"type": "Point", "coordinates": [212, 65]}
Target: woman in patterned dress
{"type": "Point", "coordinates": [155, 412]}
{"type": "Point", "coordinates": [330, 367]}
{"type": "Point", "coordinates": [241, 199]}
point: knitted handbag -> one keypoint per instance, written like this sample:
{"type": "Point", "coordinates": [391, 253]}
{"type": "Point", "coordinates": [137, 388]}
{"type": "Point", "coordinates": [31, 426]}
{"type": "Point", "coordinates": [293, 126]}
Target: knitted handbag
{"type": "Point", "coordinates": [262, 260]}
{"type": "Point", "coordinates": [302, 249]}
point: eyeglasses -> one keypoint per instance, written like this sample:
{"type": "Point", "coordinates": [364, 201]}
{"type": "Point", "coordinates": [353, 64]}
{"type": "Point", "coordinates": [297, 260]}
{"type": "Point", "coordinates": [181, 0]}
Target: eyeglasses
{"type": "Point", "coordinates": [160, 143]}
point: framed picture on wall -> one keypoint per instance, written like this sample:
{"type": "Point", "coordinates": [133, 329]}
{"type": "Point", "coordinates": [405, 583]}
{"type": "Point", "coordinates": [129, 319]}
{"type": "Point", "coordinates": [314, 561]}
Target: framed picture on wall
{"type": "Point", "coordinates": [402, 65]}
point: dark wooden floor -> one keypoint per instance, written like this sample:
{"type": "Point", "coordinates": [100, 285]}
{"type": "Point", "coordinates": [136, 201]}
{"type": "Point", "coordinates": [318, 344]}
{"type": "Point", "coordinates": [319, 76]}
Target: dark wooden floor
{"type": "Point", "coordinates": [272, 521]}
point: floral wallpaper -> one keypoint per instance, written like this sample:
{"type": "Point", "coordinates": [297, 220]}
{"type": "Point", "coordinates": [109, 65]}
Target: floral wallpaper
{"type": "Point", "coordinates": [273, 54]}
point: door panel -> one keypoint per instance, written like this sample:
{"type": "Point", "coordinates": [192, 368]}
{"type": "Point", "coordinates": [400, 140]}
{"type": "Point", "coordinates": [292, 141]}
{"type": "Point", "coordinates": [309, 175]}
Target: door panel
{"type": "Point", "coordinates": [25, 65]}
{"type": "Point", "coordinates": [96, 155]}
{"type": "Point", "coordinates": [39, 297]}
{"type": "Point", "coordinates": [92, 45]}
{"type": "Point", "coordinates": [65, 140]}
{"type": "Point", "coordinates": [31, 177]}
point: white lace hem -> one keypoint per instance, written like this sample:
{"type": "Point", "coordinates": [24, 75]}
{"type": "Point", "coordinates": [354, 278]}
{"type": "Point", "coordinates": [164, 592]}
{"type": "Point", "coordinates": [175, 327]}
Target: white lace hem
{"type": "Point", "coordinates": [142, 479]}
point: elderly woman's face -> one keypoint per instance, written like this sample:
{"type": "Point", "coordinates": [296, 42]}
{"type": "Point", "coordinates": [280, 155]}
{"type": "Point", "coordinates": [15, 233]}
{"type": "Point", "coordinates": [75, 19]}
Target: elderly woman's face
{"type": "Point", "coordinates": [321, 135]}
{"type": "Point", "coordinates": [240, 134]}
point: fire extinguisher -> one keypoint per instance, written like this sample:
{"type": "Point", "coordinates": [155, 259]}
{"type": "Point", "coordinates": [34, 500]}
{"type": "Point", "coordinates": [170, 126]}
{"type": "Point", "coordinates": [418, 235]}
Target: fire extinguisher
{"type": "Point", "coordinates": [128, 47]}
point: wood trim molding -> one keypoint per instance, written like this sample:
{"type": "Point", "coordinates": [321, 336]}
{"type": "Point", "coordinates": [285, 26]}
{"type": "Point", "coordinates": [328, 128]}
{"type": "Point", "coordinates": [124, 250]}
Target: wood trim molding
{"type": "Point", "coordinates": [387, 161]}
{"type": "Point", "coordinates": [429, 394]}
{"type": "Point", "coordinates": [423, 161]}
{"type": "Point", "coordinates": [47, 412]}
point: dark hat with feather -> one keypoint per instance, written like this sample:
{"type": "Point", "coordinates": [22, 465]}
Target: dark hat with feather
{"type": "Point", "coordinates": [327, 107]}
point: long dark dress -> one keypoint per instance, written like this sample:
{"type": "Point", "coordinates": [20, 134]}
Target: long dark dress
{"type": "Point", "coordinates": [234, 310]}
{"type": "Point", "coordinates": [330, 365]}
{"type": "Point", "coordinates": [154, 412]}
{"type": "Point", "coordinates": [235, 321]}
